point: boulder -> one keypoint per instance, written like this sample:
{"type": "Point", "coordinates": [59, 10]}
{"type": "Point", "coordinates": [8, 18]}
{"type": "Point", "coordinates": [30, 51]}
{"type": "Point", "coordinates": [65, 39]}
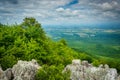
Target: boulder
{"type": "Point", "coordinates": [85, 71]}
{"type": "Point", "coordinates": [25, 70]}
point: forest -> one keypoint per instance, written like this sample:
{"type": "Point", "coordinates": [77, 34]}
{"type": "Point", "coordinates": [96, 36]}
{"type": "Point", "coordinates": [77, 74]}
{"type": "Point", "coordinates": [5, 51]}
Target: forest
{"type": "Point", "coordinates": [28, 40]}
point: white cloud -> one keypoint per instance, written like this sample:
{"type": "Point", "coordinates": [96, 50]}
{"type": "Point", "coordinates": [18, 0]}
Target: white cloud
{"type": "Point", "coordinates": [68, 12]}
{"type": "Point", "coordinates": [108, 14]}
{"type": "Point", "coordinates": [60, 9]}
{"type": "Point", "coordinates": [106, 6]}
{"type": "Point", "coordinates": [109, 5]}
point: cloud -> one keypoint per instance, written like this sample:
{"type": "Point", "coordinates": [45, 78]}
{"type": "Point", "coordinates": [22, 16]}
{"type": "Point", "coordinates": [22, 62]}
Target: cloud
{"type": "Point", "coordinates": [4, 11]}
{"type": "Point", "coordinates": [9, 1]}
{"type": "Point", "coordinates": [67, 12]}
{"type": "Point", "coordinates": [106, 6]}
{"type": "Point", "coordinates": [61, 10]}
{"type": "Point", "coordinates": [43, 4]}
{"type": "Point", "coordinates": [109, 6]}
{"type": "Point", "coordinates": [39, 8]}
{"type": "Point", "coordinates": [70, 15]}
{"type": "Point", "coordinates": [99, 9]}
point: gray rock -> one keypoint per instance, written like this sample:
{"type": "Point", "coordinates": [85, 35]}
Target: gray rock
{"type": "Point", "coordinates": [111, 74]}
{"type": "Point", "coordinates": [85, 63]}
{"type": "Point", "coordinates": [118, 78]}
{"type": "Point", "coordinates": [76, 62]}
{"type": "Point", "coordinates": [106, 66]}
{"type": "Point", "coordinates": [2, 75]}
{"type": "Point", "coordinates": [84, 71]}
{"type": "Point", "coordinates": [24, 70]}
{"type": "Point", "coordinates": [8, 73]}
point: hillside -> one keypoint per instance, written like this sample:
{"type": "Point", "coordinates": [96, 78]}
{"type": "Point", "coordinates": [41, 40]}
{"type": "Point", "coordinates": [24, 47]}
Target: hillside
{"type": "Point", "coordinates": [92, 40]}
{"type": "Point", "coordinates": [27, 41]}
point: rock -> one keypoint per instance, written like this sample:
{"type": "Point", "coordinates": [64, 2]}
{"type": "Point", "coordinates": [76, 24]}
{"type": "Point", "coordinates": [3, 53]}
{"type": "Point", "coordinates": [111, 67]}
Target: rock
{"type": "Point", "coordinates": [118, 78]}
{"type": "Point", "coordinates": [8, 73]}
{"type": "Point", "coordinates": [106, 66]}
{"type": "Point", "coordinates": [111, 74]}
{"type": "Point", "coordinates": [76, 62]}
{"type": "Point", "coordinates": [101, 66]}
{"type": "Point", "coordinates": [86, 71]}
{"type": "Point", "coordinates": [85, 63]}
{"type": "Point", "coordinates": [24, 70]}
{"type": "Point", "coordinates": [2, 75]}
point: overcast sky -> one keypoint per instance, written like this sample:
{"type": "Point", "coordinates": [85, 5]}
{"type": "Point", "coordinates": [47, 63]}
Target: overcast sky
{"type": "Point", "coordinates": [61, 11]}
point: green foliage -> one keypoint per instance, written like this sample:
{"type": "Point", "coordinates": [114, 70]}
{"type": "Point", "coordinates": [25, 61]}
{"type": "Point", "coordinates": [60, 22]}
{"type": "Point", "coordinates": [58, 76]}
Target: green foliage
{"type": "Point", "coordinates": [62, 41]}
{"type": "Point", "coordinates": [8, 61]}
{"type": "Point", "coordinates": [84, 56]}
{"type": "Point", "coordinates": [96, 63]}
{"type": "Point", "coordinates": [28, 41]}
{"type": "Point", "coordinates": [52, 73]}
{"type": "Point", "coordinates": [30, 22]}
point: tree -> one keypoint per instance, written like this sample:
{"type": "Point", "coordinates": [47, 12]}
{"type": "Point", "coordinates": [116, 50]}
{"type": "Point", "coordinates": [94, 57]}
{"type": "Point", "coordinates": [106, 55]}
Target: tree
{"type": "Point", "coordinates": [33, 28]}
{"type": "Point", "coordinates": [63, 42]}
{"type": "Point", "coordinates": [30, 22]}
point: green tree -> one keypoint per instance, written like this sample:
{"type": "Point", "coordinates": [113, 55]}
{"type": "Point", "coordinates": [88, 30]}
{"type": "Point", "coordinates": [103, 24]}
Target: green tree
{"type": "Point", "coordinates": [33, 29]}
{"type": "Point", "coordinates": [63, 42]}
{"type": "Point", "coordinates": [30, 22]}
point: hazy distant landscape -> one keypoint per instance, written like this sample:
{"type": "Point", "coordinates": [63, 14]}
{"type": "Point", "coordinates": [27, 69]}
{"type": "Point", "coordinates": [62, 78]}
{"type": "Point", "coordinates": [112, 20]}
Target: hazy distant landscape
{"type": "Point", "coordinates": [94, 41]}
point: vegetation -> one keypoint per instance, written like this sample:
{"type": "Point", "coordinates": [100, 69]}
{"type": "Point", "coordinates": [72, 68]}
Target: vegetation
{"type": "Point", "coordinates": [28, 41]}
{"type": "Point", "coordinates": [95, 41]}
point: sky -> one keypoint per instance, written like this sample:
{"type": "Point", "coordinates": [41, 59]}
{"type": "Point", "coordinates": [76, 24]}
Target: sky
{"type": "Point", "coordinates": [61, 12]}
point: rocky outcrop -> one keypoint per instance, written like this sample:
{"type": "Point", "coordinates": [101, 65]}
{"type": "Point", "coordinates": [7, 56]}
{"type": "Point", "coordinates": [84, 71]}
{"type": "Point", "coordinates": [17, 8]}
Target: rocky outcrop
{"type": "Point", "coordinates": [80, 70]}
{"type": "Point", "coordinates": [23, 70]}
{"type": "Point", "coordinates": [85, 71]}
